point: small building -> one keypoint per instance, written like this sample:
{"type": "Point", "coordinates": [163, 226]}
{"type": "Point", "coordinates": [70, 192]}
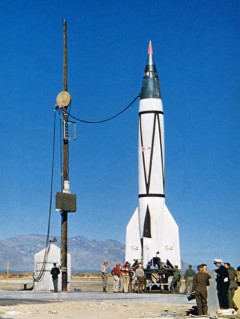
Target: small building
{"type": "Point", "coordinates": [43, 263]}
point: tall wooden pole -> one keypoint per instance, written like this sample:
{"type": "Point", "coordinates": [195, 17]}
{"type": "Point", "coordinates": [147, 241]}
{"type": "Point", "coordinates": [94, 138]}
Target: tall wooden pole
{"type": "Point", "coordinates": [65, 177]}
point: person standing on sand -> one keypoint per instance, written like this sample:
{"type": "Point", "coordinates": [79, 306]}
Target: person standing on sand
{"type": "Point", "coordinates": [200, 283]}
{"type": "Point", "coordinates": [176, 278]}
{"type": "Point", "coordinates": [222, 280]}
{"type": "Point", "coordinates": [238, 275]}
{"type": "Point", "coordinates": [55, 272]}
{"type": "Point", "coordinates": [104, 275]}
{"type": "Point", "coordinates": [188, 276]}
{"type": "Point", "coordinates": [232, 285]}
{"type": "Point", "coordinates": [140, 278]}
{"type": "Point", "coordinates": [116, 272]}
{"type": "Point", "coordinates": [125, 275]}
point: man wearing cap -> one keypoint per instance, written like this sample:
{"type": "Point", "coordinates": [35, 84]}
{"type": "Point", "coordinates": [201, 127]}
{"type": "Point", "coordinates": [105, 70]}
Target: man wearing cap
{"type": "Point", "coordinates": [200, 283]}
{"type": "Point", "coordinates": [222, 280]}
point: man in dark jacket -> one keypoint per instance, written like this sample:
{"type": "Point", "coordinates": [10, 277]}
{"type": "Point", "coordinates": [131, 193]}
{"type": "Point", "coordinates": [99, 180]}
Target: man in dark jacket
{"type": "Point", "coordinates": [55, 272]}
{"type": "Point", "coordinates": [222, 280]}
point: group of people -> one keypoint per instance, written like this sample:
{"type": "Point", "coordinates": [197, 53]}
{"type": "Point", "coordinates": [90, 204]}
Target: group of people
{"type": "Point", "coordinates": [128, 278]}
{"type": "Point", "coordinates": [227, 283]}
{"type": "Point", "coordinates": [227, 279]}
{"type": "Point", "coordinates": [123, 277]}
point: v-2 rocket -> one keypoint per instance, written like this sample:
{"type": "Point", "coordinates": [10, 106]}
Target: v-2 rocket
{"type": "Point", "coordinates": [151, 231]}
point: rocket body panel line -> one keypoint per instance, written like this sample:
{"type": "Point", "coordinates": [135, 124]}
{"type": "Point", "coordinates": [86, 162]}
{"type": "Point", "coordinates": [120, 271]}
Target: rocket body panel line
{"type": "Point", "coordinates": [148, 112]}
{"type": "Point", "coordinates": [162, 153]}
{"type": "Point", "coordinates": [141, 147]}
{"type": "Point", "coordinates": [142, 157]}
{"type": "Point", "coordinates": [151, 156]}
{"type": "Point", "coordinates": [151, 195]}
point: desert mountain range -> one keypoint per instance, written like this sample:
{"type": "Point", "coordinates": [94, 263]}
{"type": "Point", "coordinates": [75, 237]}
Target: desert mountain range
{"type": "Point", "coordinates": [87, 254]}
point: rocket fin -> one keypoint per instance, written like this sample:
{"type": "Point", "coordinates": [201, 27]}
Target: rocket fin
{"type": "Point", "coordinates": [133, 243]}
{"type": "Point", "coordinates": [170, 233]}
{"type": "Point", "coordinates": [147, 225]}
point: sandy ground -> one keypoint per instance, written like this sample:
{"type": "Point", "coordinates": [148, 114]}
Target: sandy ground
{"type": "Point", "coordinates": [86, 300]}
{"type": "Point", "coordinates": [78, 309]}
{"type": "Point", "coordinates": [91, 310]}
{"type": "Point", "coordinates": [16, 304]}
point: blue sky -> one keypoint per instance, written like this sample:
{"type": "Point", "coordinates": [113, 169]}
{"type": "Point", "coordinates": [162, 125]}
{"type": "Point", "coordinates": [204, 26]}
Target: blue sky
{"type": "Point", "coordinates": [196, 47]}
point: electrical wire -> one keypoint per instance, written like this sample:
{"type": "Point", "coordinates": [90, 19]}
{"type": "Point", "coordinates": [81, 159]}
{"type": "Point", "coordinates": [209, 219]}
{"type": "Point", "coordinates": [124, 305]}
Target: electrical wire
{"type": "Point", "coordinates": [61, 150]}
{"type": "Point", "coordinates": [107, 119]}
{"type": "Point", "coordinates": [47, 246]}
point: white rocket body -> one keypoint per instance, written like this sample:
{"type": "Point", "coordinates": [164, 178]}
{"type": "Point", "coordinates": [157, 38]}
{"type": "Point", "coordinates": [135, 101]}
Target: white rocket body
{"type": "Point", "coordinates": [152, 231]}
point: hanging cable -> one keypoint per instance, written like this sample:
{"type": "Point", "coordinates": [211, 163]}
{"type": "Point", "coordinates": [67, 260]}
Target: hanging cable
{"type": "Point", "coordinates": [61, 159]}
{"type": "Point", "coordinates": [105, 120]}
{"type": "Point", "coordinates": [47, 247]}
